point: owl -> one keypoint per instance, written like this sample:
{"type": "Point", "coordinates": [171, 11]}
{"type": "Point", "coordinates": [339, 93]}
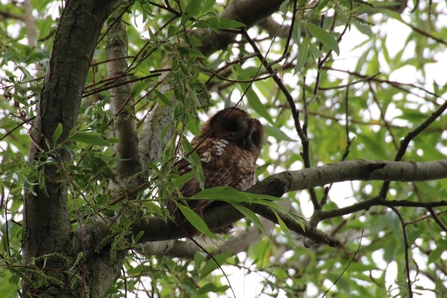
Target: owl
{"type": "Point", "coordinates": [228, 146]}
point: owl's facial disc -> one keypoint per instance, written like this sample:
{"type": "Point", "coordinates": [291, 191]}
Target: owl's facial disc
{"type": "Point", "coordinates": [235, 125]}
{"type": "Point", "coordinates": [236, 130]}
{"type": "Point", "coordinates": [231, 127]}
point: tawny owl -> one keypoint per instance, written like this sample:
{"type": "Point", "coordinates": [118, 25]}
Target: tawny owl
{"type": "Point", "coordinates": [228, 146]}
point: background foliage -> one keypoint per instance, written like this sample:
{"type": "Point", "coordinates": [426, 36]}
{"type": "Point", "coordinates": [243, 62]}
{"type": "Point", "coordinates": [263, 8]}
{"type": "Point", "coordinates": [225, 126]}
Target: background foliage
{"type": "Point", "coordinates": [358, 92]}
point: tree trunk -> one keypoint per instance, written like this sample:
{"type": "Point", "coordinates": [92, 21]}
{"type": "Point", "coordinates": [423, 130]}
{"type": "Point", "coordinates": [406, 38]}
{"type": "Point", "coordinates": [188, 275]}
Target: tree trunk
{"type": "Point", "coordinates": [47, 234]}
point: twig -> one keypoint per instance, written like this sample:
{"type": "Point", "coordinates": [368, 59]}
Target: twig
{"type": "Point", "coordinates": [347, 266]}
{"type": "Point", "coordinates": [406, 141]}
{"type": "Point", "coordinates": [366, 205]}
{"type": "Point", "coordinates": [407, 248]}
{"type": "Point", "coordinates": [437, 219]}
{"type": "Point", "coordinates": [280, 85]}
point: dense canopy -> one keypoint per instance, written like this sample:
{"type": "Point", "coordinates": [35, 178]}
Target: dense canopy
{"type": "Point", "coordinates": [99, 99]}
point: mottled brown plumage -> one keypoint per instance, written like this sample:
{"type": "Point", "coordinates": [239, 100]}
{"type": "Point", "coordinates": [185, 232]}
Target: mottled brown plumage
{"type": "Point", "coordinates": [228, 146]}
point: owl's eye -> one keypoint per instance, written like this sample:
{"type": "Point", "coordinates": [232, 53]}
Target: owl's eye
{"type": "Point", "coordinates": [254, 138]}
{"type": "Point", "coordinates": [231, 127]}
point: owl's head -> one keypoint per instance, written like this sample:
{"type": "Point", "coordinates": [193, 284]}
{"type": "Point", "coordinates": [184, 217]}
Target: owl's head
{"type": "Point", "coordinates": [235, 125]}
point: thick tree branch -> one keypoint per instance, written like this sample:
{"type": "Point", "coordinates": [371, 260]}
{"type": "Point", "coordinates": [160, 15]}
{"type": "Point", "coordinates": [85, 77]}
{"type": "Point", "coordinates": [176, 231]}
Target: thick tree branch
{"type": "Point", "coordinates": [123, 106]}
{"type": "Point", "coordinates": [365, 170]}
{"type": "Point", "coordinates": [237, 243]}
{"type": "Point", "coordinates": [30, 22]}
{"type": "Point", "coordinates": [47, 229]}
{"type": "Point", "coordinates": [273, 28]}
{"type": "Point", "coordinates": [248, 12]}
{"type": "Point", "coordinates": [244, 239]}
{"type": "Point", "coordinates": [156, 229]}
{"type": "Point", "coordinates": [103, 269]}
{"type": "Point", "coordinates": [152, 144]}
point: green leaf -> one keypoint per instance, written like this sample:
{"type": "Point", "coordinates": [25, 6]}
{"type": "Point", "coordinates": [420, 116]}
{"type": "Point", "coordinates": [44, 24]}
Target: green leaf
{"type": "Point", "coordinates": [277, 133]}
{"type": "Point", "coordinates": [217, 23]}
{"type": "Point", "coordinates": [187, 147]}
{"type": "Point", "coordinates": [231, 195]}
{"type": "Point", "coordinates": [209, 5]}
{"type": "Point", "coordinates": [191, 40]}
{"type": "Point", "coordinates": [193, 7]}
{"type": "Point", "coordinates": [224, 23]}
{"type": "Point", "coordinates": [365, 29]}
{"type": "Point", "coordinates": [360, 267]}
{"type": "Point", "coordinates": [303, 54]}
{"type": "Point", "coordinates": [89, 138]}
{"type": "Point", "coordinates": [283, 7]}
{"type": "Point", "coordinates": [284, 228]}
{"type": "Point", "coordinates": [322, 4]}
{"type": "Point", "coordinates": [296, 32]}
{"type": "Point", "coordinates": [251, 216]}
{"type": "Point", "coordinates": [221, 193]}
{"type": "Point", "coordinates": [138, 236]}
{"type": "Point", "coordinates": [212, 265]}
{"type": "Point", "coordinates": [324, 37]}
{"type": "Point", "coordinates": [57, 133]}
{"type": "Point", "coordinates": [390, 250]}
{"type": "Point", "coordinates": [435, 255]}
{"type": "Point", "coordinates": [315, 51]}
{"type": "Point", "coordinates": [255, 103]}
{"type": "Point", "coordinates": [191, 52]}
{"type": "Point", "coordinates": [210, 287]}
{"type": "Point", "coordinates": [42, 185]}
{"type": "Point", "coordinates": [193, 125]}
{"type": "Point", "coordinates": [139, 87]}
{"type": "Point", "coordinates": [362, 60]}
{"type": "Point", "coordinates": [183, 179]}
{"type": "Point", "coordinates": [196, 221]}
{"type": "Point", "coordinates": [199, 257]}
{"type": "Point", "coordinates": [194, 159]}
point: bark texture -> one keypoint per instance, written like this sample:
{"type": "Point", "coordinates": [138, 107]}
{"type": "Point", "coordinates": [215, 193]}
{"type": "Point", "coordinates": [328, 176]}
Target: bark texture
{"type": "Point", "coordinates": [47, 234]}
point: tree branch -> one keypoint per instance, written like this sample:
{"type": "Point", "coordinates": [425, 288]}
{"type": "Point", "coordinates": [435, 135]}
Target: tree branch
{"type": "Point", "coordinates": [47, 229]}
{"type": "Point", "coordinates": [123, 106]}
{"type": "Point", "coordinates": [365, 170]}
{"type": "Point", "coordinates": [157, 229]}
{"type": "Point", "coordinates": [248, 12]}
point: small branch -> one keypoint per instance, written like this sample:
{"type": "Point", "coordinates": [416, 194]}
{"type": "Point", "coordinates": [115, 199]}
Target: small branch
{"type": "Point", "coordinates": [275, 29]}
{"type": "Point", "coordinates": [366, 205]}
{"type": "Point", "coordinates": [243, 240]}
{"type": "Point", "coordinates": [439, 40]}
{"type": "Point", "coordinates": [347, 266]}
{"type": "Point", "coordinates": [123, 107]}
{"type": "Point", "coordinates": [281, 86]}
{"type": "Point", "coordinates": [10, 15]}
{"type": "Point", "coordinates": [395, 84]}
{"type": "Point", "coordinates": [156, 133]}
{"type": "Point", "coordinates": [406, 141]}
{"type": "Point", "coordinates": [382, 115]}
{"type": "Point", "coordinates": [407, 248]}
{"type": "Point", "coordinates": [437, 219]}
{"type": "Point", "coordinates": [300, 227]}
{"type": "Point", "coordinates": [305, 155]}
{"type": "Point", "coordinates": [30, 23]}
{"type": "Point", "coordinates": [366, 79]}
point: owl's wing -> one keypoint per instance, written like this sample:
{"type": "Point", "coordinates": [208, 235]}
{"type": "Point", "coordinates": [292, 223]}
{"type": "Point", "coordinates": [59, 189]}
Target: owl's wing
{"type": "Point", "coordinates": [218, 166]}
{"type": "Point", "coordinates": [223, 164]}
